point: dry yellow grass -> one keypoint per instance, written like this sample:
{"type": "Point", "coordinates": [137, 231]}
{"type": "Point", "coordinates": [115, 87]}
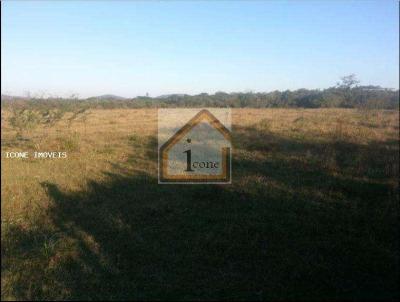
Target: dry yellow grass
{"type": "Point", "coordinates": [122, 141]}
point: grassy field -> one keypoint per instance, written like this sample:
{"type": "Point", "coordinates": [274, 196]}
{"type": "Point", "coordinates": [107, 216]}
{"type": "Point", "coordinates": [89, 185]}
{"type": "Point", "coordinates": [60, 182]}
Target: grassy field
{"type": "Point", "coordinates": [312, 211]}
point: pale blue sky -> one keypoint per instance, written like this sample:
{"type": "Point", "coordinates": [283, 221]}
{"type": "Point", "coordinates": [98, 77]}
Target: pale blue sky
{"type": "Point", "coordinates": [129, 48]}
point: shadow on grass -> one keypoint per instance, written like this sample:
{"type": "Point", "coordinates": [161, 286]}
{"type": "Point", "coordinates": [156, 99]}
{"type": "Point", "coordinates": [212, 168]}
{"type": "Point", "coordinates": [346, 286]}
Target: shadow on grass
{"type": "Point", "coordinates": [129, 238]}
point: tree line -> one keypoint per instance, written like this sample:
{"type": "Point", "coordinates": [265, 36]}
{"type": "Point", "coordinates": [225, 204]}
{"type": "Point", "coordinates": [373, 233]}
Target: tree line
{"type": "Point", "coordinates": [345, 94]}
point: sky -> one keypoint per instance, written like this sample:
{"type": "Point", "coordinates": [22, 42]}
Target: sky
{"type": "Point", "coordinates": [131, 48]}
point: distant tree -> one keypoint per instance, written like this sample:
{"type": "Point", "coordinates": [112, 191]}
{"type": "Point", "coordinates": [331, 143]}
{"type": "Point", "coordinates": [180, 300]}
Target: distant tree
{"type": "Point", "coordinates": [348, 82]}
{"type": "Point", "coordinates": [345, 89]}
{"type": "Point", "coordinates": [22, 119]}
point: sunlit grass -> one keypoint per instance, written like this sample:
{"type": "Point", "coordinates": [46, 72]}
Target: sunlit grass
{"type": "Point", "coordinates": [304, 182]}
